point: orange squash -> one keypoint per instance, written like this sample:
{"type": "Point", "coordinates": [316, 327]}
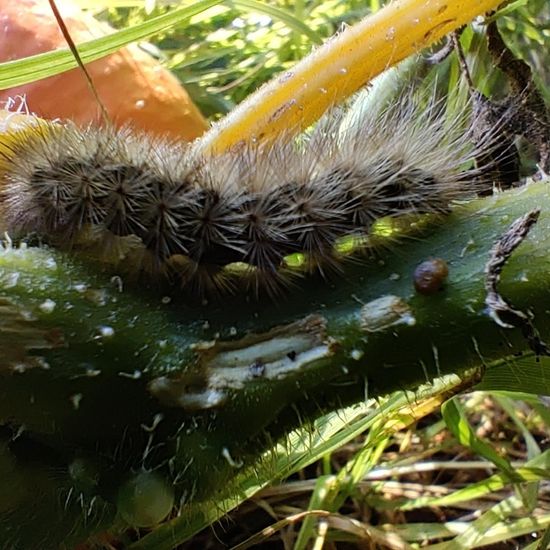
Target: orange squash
{"type": "Point", "coordinates": [132, 85]}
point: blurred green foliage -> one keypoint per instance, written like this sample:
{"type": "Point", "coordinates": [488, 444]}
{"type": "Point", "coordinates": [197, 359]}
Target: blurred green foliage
{"type": "Point", "coordinates": [226, 52]}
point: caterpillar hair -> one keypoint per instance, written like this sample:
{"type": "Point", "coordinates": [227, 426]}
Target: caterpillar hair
{"type": "Point", "coordinates": [169, 210]}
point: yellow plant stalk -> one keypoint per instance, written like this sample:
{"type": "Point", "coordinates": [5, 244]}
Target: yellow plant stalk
{"type": "Point", "coordinates": [340, 67]}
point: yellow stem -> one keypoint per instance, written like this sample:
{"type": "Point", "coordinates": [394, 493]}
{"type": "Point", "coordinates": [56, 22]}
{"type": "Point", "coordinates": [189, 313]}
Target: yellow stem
{"type": "Point", "coordinates": [340, 67]}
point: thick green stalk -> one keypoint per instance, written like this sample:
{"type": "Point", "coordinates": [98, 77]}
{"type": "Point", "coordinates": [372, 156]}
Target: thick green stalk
{"type": "Point", "coordinates": [109, 389]}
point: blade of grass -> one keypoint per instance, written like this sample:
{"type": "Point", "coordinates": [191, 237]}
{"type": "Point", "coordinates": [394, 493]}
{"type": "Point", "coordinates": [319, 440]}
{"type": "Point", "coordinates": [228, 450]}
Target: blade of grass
{"type": "Point", "coordinates": [423, 532]}
{"type": "Point", "coordinates": [476, 531]}
{"type": "Point", "coordinates": [35, 67]}
{"type": "Point", "coordinates": [334, 490]}
{"type": "Point", "coordinates": [456, 421]}
{"type": "Point", "coordinates": [326, 488]}
{"type": "Point", "coordinates": [492, 527]}
{"type": "Point", "coordinates": [22, 71]}
{"type": "Point", "coordinates": [530, 491]}
{"type": "Point", "coordinates": [283, 15]}
{"type": "Point", "coordinates": [544, 541]}
{"type": "Point", "coordinates": [510, 407]}
{"type": "Point", "coordinates": [536, 469]}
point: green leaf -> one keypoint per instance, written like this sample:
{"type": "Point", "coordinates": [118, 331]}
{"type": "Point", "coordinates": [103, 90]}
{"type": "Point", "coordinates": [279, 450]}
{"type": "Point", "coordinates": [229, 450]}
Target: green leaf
{"type": "Point", "coordinates": [456, 420]}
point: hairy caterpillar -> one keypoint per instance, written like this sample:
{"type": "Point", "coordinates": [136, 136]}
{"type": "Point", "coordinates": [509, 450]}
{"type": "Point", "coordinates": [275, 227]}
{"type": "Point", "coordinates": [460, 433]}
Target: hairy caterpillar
{"type": "Point", "coordinates": [167, 209]}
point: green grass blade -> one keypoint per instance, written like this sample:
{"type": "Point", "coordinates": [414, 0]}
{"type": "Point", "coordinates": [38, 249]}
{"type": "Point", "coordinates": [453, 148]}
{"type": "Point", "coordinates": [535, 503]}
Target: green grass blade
{"type": "Point", "coordinates": [536, 469]}
{"type": "Point", "coordinates": [457, 422]}
{"type": "Point", "coordinates": [510, 407]}
{"type": "Point", "coordinates": [283, 15]}
{"type": "Point", "coordinates": [30, 69]}
{"type": "Point", "coordinates": [321, 499]}
{"type": "Point", "coordinates": [501, 532]}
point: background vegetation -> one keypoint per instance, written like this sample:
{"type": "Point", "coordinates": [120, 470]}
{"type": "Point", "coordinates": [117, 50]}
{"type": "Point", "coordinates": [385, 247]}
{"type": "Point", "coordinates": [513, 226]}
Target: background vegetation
{"type": "Point", "coordinates": [226, 52]}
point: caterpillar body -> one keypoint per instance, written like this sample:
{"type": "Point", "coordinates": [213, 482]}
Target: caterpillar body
{"type": "Point", "coordinates": [169, 210]}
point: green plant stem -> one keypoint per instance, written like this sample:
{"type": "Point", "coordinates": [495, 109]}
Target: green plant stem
{"type": "Point", "coordinates": [102, 379]}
